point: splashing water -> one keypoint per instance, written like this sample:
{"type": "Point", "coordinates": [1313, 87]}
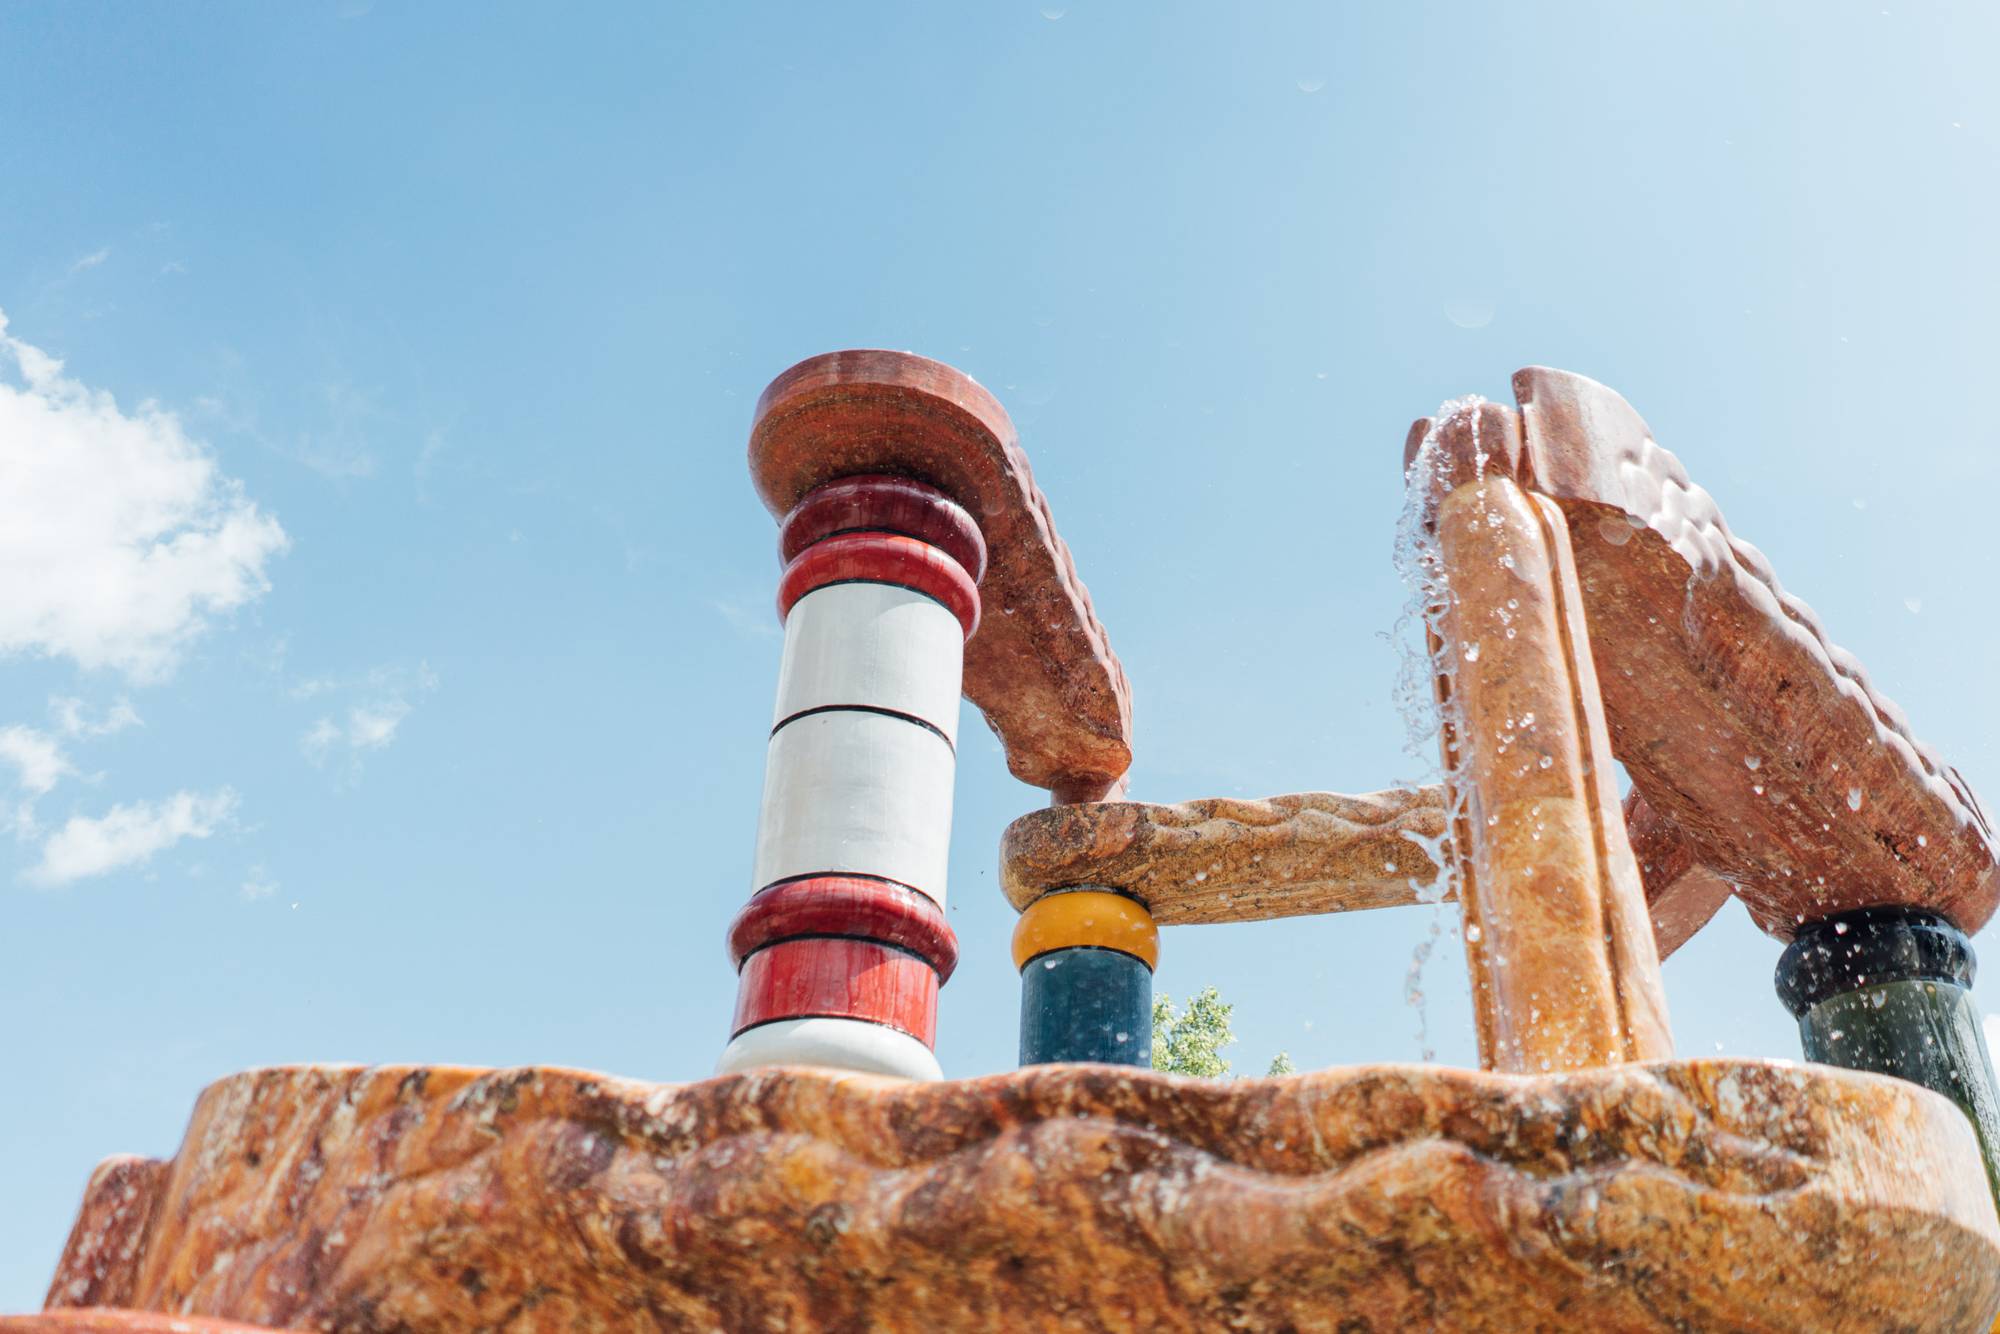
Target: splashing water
{"type": "Point", "coordinates": [1413, 982]}
{"type": "Point", "coordinates": [1420, 563]}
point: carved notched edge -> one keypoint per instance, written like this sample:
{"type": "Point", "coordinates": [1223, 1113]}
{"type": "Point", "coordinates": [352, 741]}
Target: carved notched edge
{"type": "Point", "coordinates": [1584, 443]}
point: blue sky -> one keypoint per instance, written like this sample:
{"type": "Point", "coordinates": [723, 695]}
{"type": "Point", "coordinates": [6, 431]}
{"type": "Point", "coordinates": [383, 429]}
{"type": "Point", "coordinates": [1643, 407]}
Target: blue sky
{"type": "Point", "coordinates": [425, 339]}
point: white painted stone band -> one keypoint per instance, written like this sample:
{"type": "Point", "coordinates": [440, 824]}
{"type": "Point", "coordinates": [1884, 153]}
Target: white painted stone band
{"type": "Point", "coordinates": [843, 1044]}
{"type": "Point", "coordinates": [856, 793]}
{"type": "Point", "coordinates": [874, 645]}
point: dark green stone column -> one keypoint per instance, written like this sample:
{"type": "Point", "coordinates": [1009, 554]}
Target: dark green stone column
{"type": "Point", "coordinates": [1888, 990]}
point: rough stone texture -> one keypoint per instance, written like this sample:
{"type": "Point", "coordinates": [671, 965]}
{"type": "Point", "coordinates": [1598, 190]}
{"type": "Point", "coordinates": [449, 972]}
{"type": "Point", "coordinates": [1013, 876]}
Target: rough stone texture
{"type": "Point", "coordinates": [1226, 859]}
{"type": "Point", "coordinates": [1689, 1195]}
{"type": "Point", "coordinates": [1557, 940]}
{"type": "Point", "coordinates": [1040, 668]}
{"type": "Point", "coordinates": [1708, 668]}
{"type": "Point", "coordinates": [1682, 895]}
{"type": "Point", "coordinates": [1232, 859]}
{"type": "Point", "coordinates": [120, 1322]}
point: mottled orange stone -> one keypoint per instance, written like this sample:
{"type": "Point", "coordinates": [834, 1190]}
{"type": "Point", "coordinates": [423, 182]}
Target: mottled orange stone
{"type": "Point", "coordinates": [1040, 668]}
{"type": "Point", "coordinates": [104, 1321]}
{"type": "Point", "coordinates": [1242, 859]}
{"type": "Point", "coordinates": [1681, 894]}
{"type": "Point", "coordinates": [1686, 1195]}
{"type": "Point", "coordinates": [1232, 859]}
{"type": "Point", "coordinates": [1564, 971]}
{"type": "Point", "coordinates": [1761, 743]}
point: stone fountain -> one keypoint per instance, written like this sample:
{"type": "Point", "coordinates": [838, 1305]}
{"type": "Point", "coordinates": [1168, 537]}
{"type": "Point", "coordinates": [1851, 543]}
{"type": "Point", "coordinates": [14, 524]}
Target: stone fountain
{"type": "Point", "coordinates": [1585, 605]}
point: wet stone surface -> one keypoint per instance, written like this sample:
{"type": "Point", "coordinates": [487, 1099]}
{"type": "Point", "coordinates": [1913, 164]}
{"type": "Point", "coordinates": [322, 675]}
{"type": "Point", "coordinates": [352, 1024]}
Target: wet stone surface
{"type": "Point", "coordinates": [1695, 1194]}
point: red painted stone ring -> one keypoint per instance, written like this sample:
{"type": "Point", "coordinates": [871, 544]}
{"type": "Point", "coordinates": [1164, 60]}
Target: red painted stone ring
{"type": "Point", "coordinates": [882, 558]}
{"type": "Point", "coordinates": [878, 503]}
{"type": "Point", "coordinates": [839, 979]}
{"type": "Point", "coordinates": [845, 905]}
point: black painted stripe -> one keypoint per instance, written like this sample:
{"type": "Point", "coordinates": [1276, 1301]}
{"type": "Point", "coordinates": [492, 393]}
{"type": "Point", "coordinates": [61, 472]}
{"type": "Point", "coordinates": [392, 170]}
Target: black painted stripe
{"type": "Point", "coordinates": [885, 583]}
{"type": "Point", "coordinates": [850, 875]}
{"type": "Point", "coordinates": [828, 1014]}
{"type": "Point", "coordinates": [926, 724]}
{"type": "Point", "coordinates": [1102, 949]}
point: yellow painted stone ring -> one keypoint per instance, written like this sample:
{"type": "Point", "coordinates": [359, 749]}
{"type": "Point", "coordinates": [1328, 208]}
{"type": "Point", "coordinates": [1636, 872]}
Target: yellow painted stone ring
{"type": "Point", "coordinates": [1066, 919]}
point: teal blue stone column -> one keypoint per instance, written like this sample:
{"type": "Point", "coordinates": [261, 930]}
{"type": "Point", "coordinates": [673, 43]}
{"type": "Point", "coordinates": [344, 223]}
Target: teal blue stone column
{"type": "Point", "coordinates": [1086, 1004]}
{"type": "Point", "coordinates": [1086, 956]}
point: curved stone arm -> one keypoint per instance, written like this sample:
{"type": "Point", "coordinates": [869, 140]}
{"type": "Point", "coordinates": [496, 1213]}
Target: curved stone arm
{"type": "Point", "coordinates": [1227, 859]}
{"type": "Point", "coordinates": [1040, 667]}
{"type": "Point", "coordinates": [1763, 743]}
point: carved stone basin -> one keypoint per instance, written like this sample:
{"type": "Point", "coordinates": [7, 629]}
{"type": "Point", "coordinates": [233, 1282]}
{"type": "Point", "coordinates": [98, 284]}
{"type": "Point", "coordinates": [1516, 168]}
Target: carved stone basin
{"type": "Point", "coordinates": [1683, 1195]}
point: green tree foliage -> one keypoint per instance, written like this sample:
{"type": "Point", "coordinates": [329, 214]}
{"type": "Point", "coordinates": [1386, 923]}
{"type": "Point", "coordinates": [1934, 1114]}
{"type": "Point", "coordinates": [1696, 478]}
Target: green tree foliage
{"type": "Point", "coordinates": [1190, 1041]}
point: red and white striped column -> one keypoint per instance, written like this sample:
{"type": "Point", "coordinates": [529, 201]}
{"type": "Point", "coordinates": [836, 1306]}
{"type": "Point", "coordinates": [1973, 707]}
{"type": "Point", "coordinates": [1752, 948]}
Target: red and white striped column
{"type": "Point", "coordinates": [841, 950]}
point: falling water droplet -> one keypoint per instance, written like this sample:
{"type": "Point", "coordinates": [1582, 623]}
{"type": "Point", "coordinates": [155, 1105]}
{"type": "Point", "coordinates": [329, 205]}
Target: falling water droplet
{"type": "Point", "coordinates": [1469, 312]}
{"type": "Point", "coordinates": [1854, 799]}
{"type": "Point", "coordinates": [1753, 762]}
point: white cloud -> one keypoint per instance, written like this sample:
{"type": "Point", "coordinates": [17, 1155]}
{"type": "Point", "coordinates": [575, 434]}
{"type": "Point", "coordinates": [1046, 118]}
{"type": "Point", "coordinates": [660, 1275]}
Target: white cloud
{"type": "Point", "coordinates": [92, 260]}
{"type": "Point", "coordinates": [372, 727]}
{"type": "Point", "coordinates": [258, 885]}
{"type": "Point", "coordinates": [38, 759]}
{"type": "Point", "coordinates": [128, 835]}
{"type": "Point", "coordinates": [72, 717]}
{"type": "Point", "coordinates": [119, 536]}
{"type": "Point", "coordinates": [367, 725]}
